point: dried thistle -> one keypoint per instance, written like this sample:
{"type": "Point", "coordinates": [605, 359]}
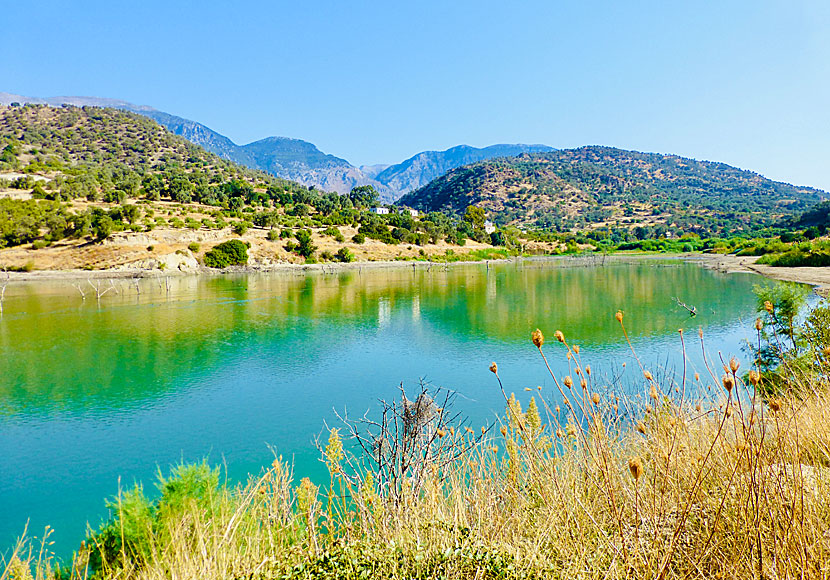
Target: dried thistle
{"type": "Point", "coordinates": [619, 316]}
{"type": "Point", "coordinates": [559, 336]}
{"type": "Point", "coordinates": [568, 381]}
{"type": "Point", "coordinates": [538, 338]}
{"type": "Point", "coordinates": [635, 466]}
{"type": "Point", "coordinates": [494, 368]}
{"type": "Point", "coordinates": [734, 365]}
{"type": "Point", "coordinates": [595, 398]}
{"type": "Point", "coordinates": [728, 382]}
{"type": "Point", "coordinates": [768, 306]}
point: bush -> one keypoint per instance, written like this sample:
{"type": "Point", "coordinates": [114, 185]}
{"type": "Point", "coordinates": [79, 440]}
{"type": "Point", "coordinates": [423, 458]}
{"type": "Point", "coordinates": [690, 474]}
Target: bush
{"type": "Point", "coordinates": [230, 253]}
{"type": "Point", "coordinates": [193, 247]}
{"type": "Point", "coordinates": [344, 255]}
{"type": "Point", "coordinates": [358, 238]}
{"type": "Point", "coordinates": [273, 235]}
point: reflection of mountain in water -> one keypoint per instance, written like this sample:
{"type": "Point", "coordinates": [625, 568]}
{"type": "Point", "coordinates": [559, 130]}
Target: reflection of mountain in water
{"type": "Point", "coordinates": [59, 353]}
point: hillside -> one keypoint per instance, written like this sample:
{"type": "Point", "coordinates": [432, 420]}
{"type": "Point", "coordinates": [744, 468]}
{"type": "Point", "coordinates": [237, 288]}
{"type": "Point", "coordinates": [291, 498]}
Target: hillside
{"type": "Point", "coordinates": [420, 169]}
{"type": "Point", "coordinates": [300, 160]}
{"type": "Point", "coordinates": [602, 186]}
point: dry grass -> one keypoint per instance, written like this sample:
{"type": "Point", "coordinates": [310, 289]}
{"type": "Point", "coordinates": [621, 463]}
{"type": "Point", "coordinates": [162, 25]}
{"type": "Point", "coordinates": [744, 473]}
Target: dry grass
{"type": "Point", "coordinates": [719, 486]}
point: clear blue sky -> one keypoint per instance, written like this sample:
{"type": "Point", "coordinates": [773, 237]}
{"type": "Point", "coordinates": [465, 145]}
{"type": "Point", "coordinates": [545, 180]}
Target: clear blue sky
{"type": "Point", "coordinates": [746, 82]}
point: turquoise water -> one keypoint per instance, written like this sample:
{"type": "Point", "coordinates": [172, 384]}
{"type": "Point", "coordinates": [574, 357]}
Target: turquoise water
{"type": "Point", "coordinates": [236, 368]}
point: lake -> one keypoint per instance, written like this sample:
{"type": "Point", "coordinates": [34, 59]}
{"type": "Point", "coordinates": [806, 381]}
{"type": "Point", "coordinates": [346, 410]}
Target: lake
{"type": "Point", "coordinates": [234, 368]}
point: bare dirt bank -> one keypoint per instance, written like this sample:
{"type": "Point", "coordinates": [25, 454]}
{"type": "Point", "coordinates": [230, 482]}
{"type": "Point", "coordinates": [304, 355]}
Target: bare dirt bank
{"type": "Point", "coordinates": [817, 277]}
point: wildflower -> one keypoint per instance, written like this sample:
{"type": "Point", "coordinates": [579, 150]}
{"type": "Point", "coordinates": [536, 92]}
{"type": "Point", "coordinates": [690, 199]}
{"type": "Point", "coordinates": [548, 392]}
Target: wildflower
{"type": "Point", "coordinates": [635, 466]}
{"type": "Point", "coordinates": [559, 336]}
{"type": "Point", "coordinates": [734, 365]}
{"type": "Point", "coordinates": [568, 381]}
{"type": "Point", "coordinates": [538, 338]}
{"type": "Point", "coordinates": [619, 316]}
{"type": "Point", "coordinates": [494, 368]}
{"type": "Point", "coordinates": [728, 382]}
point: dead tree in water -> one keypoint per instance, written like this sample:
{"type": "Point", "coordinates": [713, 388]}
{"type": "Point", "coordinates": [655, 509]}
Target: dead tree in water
{"type": "Point", "coordinates": [692, 310]}
{"type": "Point", "coordinates": [3, 292]}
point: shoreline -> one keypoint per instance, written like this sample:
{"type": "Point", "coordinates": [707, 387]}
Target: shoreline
{"type": "Point", "coordinates": [819, 278]}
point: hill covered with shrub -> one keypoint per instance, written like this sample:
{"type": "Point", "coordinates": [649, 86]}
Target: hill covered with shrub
{"type": "Point", "coordinates": [595, 186]}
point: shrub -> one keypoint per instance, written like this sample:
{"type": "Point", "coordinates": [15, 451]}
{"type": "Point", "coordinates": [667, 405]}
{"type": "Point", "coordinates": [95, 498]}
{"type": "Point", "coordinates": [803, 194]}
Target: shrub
{"type": "Point", "coordinates": [230, 253]}
{"type": "Point", "coordinates": [358, 238]}
{"type": "Point", "coordinates": [344, 255]}
{"type": "Point", "coordinates": [193, 247]}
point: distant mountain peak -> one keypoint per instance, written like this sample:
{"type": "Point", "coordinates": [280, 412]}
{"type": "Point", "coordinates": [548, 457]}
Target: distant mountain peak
{"type": "Point", "coordinates": [301, 161]}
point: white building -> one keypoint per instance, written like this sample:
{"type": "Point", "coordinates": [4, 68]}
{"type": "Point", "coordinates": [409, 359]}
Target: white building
{"type": "Point", "coordinates": [414, 213]}
{"type": "Point", "coordinates": [380, 210]}
{"type": "Point", "coordinates": [489, 228]}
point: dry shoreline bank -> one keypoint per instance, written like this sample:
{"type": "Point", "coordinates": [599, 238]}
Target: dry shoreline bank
{"type": "Point", "coordinates": [817, 277]}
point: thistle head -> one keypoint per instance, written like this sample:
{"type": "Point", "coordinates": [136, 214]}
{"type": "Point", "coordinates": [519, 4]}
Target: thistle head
{"type": "Point", "coordinates": [494, 368]}
{"type": "Point", "coordinates": [635, 466]}
{"type": "Point", "coordinates": [619, 316]}
{"type": "Point", "coordinates": [728, 382]}
{"type": "Point", "coordinates": [538, 338]}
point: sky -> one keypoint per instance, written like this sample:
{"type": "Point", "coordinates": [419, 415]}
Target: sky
{"type": "Point", "coordinates": [745, 82]}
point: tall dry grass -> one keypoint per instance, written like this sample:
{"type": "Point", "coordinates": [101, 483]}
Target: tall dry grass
{"type": "Point", "coordinates": [686, 484]}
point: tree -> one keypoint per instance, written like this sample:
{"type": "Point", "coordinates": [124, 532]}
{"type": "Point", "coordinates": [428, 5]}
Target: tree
{"type": "Point", "coordinates": [363, 196]}
{"type": "Point", "coordinates": [304, 246]}
{"type": "Point", "coordinates": [474, 215]}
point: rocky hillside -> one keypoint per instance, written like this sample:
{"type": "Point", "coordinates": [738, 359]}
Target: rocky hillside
{"type": "Point", "coordinates": [302, 161]}
{"type": "Point", "coordinates": [422, 168]}
{"type": "Point", "coordinates": [602, 186]}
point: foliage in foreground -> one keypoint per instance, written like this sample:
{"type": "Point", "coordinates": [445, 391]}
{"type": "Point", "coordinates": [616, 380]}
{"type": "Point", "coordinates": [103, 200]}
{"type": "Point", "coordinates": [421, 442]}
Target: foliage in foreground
{"type": "Point", "coordinates": [718, 484]}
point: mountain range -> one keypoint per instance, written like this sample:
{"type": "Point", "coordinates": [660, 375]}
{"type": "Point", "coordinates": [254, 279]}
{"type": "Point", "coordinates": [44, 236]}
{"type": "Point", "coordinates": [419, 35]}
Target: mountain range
{"type": "Point", "coordinates": [300, 160]}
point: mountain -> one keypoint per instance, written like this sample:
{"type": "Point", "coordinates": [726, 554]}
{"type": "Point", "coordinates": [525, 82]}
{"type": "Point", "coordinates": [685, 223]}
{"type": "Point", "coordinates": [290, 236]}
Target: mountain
{"type": "Point", "coordinates": [599, 186]}
{"type": "Point", "coordinates": [422, 168]}
{"type": "Point", "coordinates": [302, 161]}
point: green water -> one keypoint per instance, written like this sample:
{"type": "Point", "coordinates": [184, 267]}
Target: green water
{"type": "Point", "coordinates": [235, 368]}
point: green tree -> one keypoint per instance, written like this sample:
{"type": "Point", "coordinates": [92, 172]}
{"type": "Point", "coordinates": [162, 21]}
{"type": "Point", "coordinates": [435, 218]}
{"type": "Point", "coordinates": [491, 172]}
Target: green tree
{"type": "Point", "coordinates": [474, 215]}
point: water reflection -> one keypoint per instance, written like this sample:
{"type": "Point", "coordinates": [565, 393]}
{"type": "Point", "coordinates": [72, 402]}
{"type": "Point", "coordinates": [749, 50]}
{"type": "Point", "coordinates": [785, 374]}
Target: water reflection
{"type": "Point", "coordinates": [180, 368]}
